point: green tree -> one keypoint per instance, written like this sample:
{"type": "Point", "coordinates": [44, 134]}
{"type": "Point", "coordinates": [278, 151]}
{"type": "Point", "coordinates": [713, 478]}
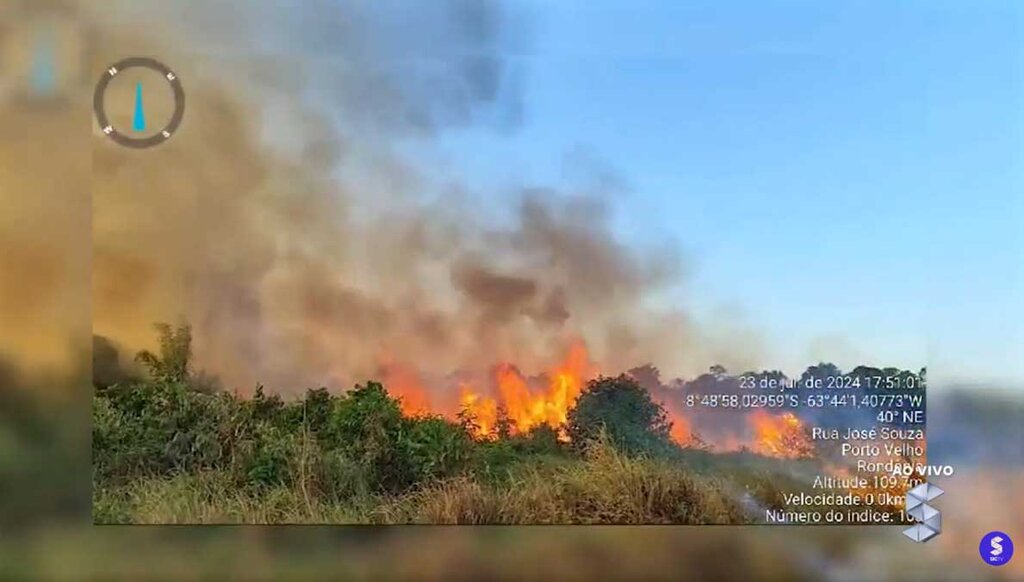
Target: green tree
{"type": "Point", "coordinates": [633, 421]}
{"type": "Point", "coordinates": [174, 362]}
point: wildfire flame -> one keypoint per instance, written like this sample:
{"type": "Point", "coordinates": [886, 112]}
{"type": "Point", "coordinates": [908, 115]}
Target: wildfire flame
{"type": "Point", "coordinates": [519, 403]}
{"type": "Point", "coordinates": [483, 410]}
{"type": "Point", "coordinates": [681, 431]}
{"type": "Point", "coordinates": [528, 406]}
{"type": "Point", "coordinates": [783, 436]}
{"type": "Point", "coordinates": [525, 403]}
{"type": "Point", "coordinates": [406, 382]}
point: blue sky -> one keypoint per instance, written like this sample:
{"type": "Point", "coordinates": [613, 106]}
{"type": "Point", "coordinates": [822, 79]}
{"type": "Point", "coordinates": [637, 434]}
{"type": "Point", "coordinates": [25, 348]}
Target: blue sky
{"type": "Point", "coordinates": [848, 176]}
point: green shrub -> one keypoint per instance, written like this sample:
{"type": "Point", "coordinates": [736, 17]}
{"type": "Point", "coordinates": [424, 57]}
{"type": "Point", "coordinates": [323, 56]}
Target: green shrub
{"type": "Point", "coordinates": [436, 447]}
{"type": "Point", "coordinates": [155, 427]}
{"type": "Point", "coordinates": [265, 457]}
{"type": "Point", "coordinates": [539, 440]}
{"type": "Point", "coordinates": [621, 408]}
{"type": "Point", "coordinates": [368, 427]}
{"type": "Point", "coordinates": [394, 452]}
{"type": "Point", "coordinates": [316, 409]}
{"type": "Point", "coordinates": [335, 478]}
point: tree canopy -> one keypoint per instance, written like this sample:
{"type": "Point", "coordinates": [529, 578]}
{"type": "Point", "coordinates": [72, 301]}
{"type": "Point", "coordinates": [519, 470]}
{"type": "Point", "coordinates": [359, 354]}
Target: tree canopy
{"type": "Point", "coordinates": [626, 413]}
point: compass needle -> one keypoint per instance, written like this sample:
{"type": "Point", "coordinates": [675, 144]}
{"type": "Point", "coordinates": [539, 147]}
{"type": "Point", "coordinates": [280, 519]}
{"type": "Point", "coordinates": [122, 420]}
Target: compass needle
{"type": "Point", "coordinates": [139, 122]}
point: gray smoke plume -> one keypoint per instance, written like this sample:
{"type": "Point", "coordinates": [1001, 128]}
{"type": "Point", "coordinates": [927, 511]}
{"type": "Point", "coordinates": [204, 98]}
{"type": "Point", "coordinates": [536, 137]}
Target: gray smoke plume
{"type": "Point", "coordinates": [292, 223]}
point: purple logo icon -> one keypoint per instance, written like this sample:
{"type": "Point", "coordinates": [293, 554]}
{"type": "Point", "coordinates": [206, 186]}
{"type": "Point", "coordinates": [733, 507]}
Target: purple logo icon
{"type": "Point", "coordinates": [996, 548]}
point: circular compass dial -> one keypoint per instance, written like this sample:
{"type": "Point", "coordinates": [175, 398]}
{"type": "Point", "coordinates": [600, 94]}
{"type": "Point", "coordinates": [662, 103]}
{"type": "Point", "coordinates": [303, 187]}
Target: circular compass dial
{"type": "Point", "coordinates": [139, 102]}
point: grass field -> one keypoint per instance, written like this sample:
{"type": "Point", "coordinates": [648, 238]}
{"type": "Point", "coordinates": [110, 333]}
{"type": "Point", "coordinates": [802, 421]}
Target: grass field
{"type": "Point", "coordinates": [606, 487]}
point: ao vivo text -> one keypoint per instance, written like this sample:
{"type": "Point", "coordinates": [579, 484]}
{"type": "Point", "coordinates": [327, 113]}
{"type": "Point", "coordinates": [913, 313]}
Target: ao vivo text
{"type": "Point", "coordinates": [907, 469]}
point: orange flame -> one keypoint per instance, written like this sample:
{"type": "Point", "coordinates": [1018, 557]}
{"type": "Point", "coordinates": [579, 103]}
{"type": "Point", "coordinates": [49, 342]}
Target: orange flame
{"type": "Point", "coordinates": [681, 431]}
{"type": "Point", "coordinates": [528, 407]}
{"type": "Point", "coordinates": [405, 383]}
{"type": "Point", "coordinates": [483, 410]}
{"type": "Point", "coordinates": [525, 403]}
{"type": "Point", "coordinates": [782, 436]}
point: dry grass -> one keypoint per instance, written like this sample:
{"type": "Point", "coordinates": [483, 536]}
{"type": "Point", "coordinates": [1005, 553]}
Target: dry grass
{"type": "Point", "coordinates": [211, 498]}
{"type": "Point", "coordinates": [606, 487]}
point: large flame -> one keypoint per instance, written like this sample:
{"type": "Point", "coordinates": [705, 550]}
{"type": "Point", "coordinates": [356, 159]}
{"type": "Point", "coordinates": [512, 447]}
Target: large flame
{"type": "Point", "coordinates": [681, 431]}
{"type": "Point", "coordinates": [483, 411]}
{"type": "Point", "coordinates": [406, 383]}
{"type": "Point", "coordinates": [783, 436]}
{"type": "Point", "coordinates": [525, 404]}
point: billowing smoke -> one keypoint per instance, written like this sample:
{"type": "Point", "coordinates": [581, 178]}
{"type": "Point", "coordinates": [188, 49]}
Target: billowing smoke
{"type": "Point", "coordinates": [44, 193]}
{"type": "Point", "coordinates": [304, 225]}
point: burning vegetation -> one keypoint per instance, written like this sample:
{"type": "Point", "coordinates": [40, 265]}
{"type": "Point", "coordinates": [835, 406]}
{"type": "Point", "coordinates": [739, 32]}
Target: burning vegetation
{"type": "Point", "coordinates": [524, 404]}
{"type": "Point", "coordinates": [509, 401]}
{"type": "Point", "coordinates": [783, 436]}
{"type": "Point", "coordinates": [397, 453]}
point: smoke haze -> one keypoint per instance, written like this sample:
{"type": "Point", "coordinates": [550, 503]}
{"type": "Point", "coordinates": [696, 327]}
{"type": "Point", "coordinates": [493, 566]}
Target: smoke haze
{"type": "Point", "coordinates": [287, 227]}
